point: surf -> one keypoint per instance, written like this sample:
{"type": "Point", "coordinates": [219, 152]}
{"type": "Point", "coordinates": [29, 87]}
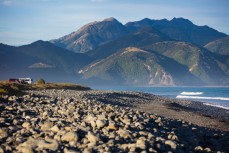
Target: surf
{"type": "Point", "coordinates": [191, 93]}
{"type": "Point", "coordinates": [199, 97]}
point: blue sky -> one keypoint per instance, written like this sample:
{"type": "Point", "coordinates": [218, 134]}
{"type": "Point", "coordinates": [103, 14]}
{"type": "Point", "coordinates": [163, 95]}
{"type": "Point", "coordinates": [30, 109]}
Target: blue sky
{"type": "Point", "coordinates": [25, 21]}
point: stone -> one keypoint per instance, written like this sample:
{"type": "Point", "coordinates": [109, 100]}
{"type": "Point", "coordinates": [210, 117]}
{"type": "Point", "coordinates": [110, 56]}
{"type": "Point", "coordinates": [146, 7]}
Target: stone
{"type": "Point", "coordinates": [46, 126]}
{"type": "Point", "coordinates": [55, 129]}
{"type": "Point", "coordinates": [112, 126]}
{"type": "Point", "coordinates": [93, 124]}
{"type": "Point", "coordinates": [198, 148]}
{"type": "Point", "coordinates": [26, 149]}
{"type": "Point", "coordinates": [173, 137]}
{"type": "Point", "coordinates": [207, 150]}
{"type": "Point", "coordinates": [141, 144]}
{"type": "Point", "coordinates": [70, 136]}
{"type": "Point", "coordinates": [92, 137]}
{"type": "Point", "coordinates": [89, 118]}
{"type": "Point", "coordinates": [3, 133]}
{"type": "Point", "coordinates": [102, 117]}
{"type": "Point", "coordinates": [46, 114]}
{"type": "Point", "coordinates": [123, 133]}
{"type": "Point", "coordinates": [1, 150]}
{"type": "Point", "coordinates": [100, 124]}
{"type": "Point", "coordinates": [170, 143]}
{"type": "Point", "coordinates": [158, 120]}
{"type": "Point", "coordinates": [42, 145]}
{"type": "Point", "coordinates": [69, 151]}
{"type": "Point", "coordinates": [26, 125]}
{"type": "Point", "coordinates": [87, 150]}
{"type": "Point", "coordinates": [12, 98]}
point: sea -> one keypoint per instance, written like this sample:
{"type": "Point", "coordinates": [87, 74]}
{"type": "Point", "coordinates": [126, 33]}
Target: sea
{"type": "Point", "coordinates": [214, 96]}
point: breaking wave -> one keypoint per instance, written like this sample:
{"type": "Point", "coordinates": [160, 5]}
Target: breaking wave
{"type": "Point", "coordinates": [198, 97]}
{"type": "Point", "coordinates": [219, 106]}
{"type": "Point", "coordinates": [191, 93]}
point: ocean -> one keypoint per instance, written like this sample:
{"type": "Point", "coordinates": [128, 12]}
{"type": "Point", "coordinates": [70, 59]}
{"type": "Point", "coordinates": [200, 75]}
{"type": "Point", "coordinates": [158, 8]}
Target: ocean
{"type": "Point", "coordinates": [215, 96]}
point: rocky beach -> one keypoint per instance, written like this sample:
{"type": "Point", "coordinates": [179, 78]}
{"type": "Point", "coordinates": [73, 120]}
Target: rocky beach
{"type": "Point", "coordinates": [106, 121]}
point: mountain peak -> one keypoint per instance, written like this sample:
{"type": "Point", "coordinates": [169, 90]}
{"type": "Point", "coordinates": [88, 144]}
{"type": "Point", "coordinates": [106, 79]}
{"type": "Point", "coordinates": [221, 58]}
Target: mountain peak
{"type": "Point", "coordinates": [38, 42]}
{"type": "Point", "coordinates": [181, 21]}
{"type": "Point", "coordinates": [112, 19]}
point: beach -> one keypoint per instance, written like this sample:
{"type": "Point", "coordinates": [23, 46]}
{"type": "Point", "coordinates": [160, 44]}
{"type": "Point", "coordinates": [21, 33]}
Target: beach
{"type": "Point", "coordinates": [109, 121]}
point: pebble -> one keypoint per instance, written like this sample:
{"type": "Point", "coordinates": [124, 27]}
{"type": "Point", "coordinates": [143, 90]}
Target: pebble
{"type": "Point", "coordinates": [70, 136]}
{"type": "Point", "coordinates": [55, 129]}
{"type": "Point", "coordinates": [141, 144]}
{"type": "Point", "coordinates": [172, 144]}
{"type": "Point", "coordinates": [92, 137]}
{"type": "Point", "coordinates": [100, 123]}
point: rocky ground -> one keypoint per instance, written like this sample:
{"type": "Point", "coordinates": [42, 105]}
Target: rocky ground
{"type": "Point", "coordinates": [105, 121]}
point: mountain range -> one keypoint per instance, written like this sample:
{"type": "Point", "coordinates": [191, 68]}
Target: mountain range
{"type": "Point", "coordinates": [146, 52]}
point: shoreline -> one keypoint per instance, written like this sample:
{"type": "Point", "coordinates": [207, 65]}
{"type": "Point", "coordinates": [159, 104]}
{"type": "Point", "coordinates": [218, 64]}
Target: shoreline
{"type": "Point", "coordinates": [185, 94]}
{"type": "Point", "coordinates": [107, 121]}
{"type": "Point", "coordinates": [214, 117]}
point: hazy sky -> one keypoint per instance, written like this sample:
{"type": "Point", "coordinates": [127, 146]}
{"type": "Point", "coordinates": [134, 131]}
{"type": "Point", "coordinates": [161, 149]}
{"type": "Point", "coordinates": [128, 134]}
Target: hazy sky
{"type": "Point", "coordinates": [25, 21]}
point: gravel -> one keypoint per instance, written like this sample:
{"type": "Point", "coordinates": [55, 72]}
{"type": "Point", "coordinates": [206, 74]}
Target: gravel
{"type": "Point", "coordinates": [102, 121]}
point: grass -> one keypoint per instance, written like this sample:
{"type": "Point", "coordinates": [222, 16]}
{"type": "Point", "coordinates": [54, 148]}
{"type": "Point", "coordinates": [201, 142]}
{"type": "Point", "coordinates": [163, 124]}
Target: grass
{"type": "Point", "coordinates": [7, 88]}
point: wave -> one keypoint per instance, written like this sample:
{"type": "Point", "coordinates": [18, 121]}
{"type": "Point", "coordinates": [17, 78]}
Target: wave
{"type": "Point", "coordinates": [198, 97]}
{"type": "Point", "coordinates": [191, 93]}
{"type": "Point", "coordinates": [219, 106]}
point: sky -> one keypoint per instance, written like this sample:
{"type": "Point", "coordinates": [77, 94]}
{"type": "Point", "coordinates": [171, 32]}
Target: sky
{"type": "Point", "coordinates": [25, 21]}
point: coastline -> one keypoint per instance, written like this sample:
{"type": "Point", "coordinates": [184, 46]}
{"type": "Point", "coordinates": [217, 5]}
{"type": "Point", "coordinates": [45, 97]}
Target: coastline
{"type": "Point", "coordinates": [191, 111]}
{"type": "Point", "coordinates": [211, 95]}
{"type": "Point", "coordinates": [109, 121]}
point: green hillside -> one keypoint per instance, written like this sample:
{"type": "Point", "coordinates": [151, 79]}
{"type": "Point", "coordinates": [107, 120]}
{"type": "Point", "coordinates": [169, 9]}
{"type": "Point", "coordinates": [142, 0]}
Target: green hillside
{"type": "Point", "coordinates": [212, 69]}
{"type": "Point", "coordinates": [134, 66]}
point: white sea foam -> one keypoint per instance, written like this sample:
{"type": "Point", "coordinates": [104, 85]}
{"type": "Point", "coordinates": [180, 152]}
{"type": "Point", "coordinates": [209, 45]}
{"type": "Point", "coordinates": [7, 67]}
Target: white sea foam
{"type": "Point", "coordinates": [199, 97]}
{"type": "Point", "coordinates": [191, 93]}
{"type": "Point", "coordinates": [224, 107]}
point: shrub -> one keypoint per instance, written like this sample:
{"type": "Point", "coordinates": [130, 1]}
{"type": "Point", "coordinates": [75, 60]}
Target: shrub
{"type": "Point", "coordinates": [41, 81]}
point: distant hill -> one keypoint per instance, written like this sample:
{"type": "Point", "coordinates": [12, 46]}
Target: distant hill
{"type": "Point", "coordinates": [55, 56]}
{"type": "Point", "coordinates": [219, 46]}
{"type": "Point", "coordinates": [40, 59]}
{"type": "Point", "coordinates": [92, 35]}
{"type": "Point", "coordinates": [179, 29]}
{"type": "Point", "coordinates": [134, 66]}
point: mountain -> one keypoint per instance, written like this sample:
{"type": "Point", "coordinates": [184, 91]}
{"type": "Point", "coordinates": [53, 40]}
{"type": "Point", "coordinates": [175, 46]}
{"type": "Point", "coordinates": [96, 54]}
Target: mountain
{"type": "Point", "coordinates": [179, 29]}
{"type": "Point", "coordinates": [211, 68]}
{"type": "Point", "coordinates": [55, 56]}
{"type": "Point", "coordinates": [146, 52]}
{"type": "Point", "coordinates": [40, 59]}
{"type": "Point", "coordinates": [92, 35]}
{"type": "Point", "coordinates": [134, 66]}
{"type": "Point", "coordinates": [142, 37]}
{"type": "Point", "coordinates": [220, 46]}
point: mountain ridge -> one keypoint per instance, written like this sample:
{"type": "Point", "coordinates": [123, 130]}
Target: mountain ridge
{"type": "Point", "coordinates": [92, 35]}
{"type": "Point", "coordinates": [180, 29]}
{"type": "Point", "coordinates": [219, 46]}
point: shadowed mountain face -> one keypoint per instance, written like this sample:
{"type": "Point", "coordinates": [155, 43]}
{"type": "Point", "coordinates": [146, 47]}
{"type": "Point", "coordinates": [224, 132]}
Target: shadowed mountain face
{"type": "Point", "coordinates": [179, 29]}
{"type": "Point", "coordinates": [219, 46]}
{"type": "Point", "coordinates": [92, 35]}
{"type": "Point", "coordinates": [139, 38]}
{"type": "Point", "coordinates": [40, 59]}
